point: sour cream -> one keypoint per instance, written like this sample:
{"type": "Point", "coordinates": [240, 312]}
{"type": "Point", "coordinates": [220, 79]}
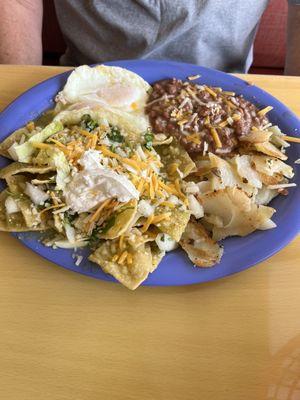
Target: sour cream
{"type": "Point", "coordinates": [96, 183]}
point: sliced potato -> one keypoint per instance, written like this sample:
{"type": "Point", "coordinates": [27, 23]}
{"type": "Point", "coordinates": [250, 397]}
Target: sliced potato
{"type": "Point", "coordinates": [246, 172]}
{"type": "Point", "coordinates": [240, 216]}
{"type": "Point", "coordinates": [201, 249]}
{"type": "Point", "coordinates": [271, 166]}
{"type": "Point", "coordinates": [256, 136]}
{"type": "Point", "coordinates": [270, 150]}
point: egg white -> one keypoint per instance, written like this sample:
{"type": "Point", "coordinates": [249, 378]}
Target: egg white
{"type": "Point", "coordinates": [108, 87]}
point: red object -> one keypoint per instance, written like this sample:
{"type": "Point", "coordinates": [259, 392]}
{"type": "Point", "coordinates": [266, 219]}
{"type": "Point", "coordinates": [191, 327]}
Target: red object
{"type": "Point", "coordinates": [269, 46]}
{"type": "Point", "coordinates": [270, 41]}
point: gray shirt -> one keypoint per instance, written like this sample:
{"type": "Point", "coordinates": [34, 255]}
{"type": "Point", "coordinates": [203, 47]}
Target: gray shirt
{"type": "Point", "coordinates": [213, 33]}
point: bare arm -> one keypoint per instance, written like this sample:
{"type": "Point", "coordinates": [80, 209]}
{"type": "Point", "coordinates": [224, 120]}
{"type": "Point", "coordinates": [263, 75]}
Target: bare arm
{"type": "Point", "coordinates": [292, 62]}
{"type": "Point", "coordinates": [21, 31]}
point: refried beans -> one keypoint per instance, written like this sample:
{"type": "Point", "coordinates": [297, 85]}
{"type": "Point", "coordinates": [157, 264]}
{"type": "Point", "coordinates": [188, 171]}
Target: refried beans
{"type": "Point", "coordinates": [202, 118]}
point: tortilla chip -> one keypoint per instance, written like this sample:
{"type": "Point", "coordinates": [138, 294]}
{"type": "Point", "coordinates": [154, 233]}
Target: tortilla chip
{"type": "Point", "coordinates": [157, 255]}
{"type": "Point", "coordinates": [16, 185]}
{"type": "Point", "coordinates": [122, 221]}
{"type": "Point", "coordinates": [18, 167]}
{"type": "Point", "coordinates": [13, 222]}
{"type": "Point", "coordinates": [31, 218]}
{"type": "Point", "coordinates": [133, 126]}
{"type": "Point", "coordinates": [201, 249]}
{"type": "Point", "coordinates": [176, 224]}
{"type": "Point", "coordinates": [130, 275]}
{"type": "Point", "coordinates": [175, 154]}
{"type": "Point", "coordinates": [240, 216]}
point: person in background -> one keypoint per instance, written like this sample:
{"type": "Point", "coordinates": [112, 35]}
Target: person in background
{"type": "Point", "coordinates": [213, 33]}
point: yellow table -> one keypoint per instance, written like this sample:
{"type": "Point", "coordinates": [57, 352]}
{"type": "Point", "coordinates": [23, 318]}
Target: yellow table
{"type": "Point", "coordinates": [64, 336]}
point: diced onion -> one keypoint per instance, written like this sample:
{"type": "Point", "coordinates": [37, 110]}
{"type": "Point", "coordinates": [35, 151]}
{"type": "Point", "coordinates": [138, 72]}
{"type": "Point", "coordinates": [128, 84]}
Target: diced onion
{"type": "Point", "coordinates": [11, 205]}
{"type": "Point", "coordinates": [37, 195]}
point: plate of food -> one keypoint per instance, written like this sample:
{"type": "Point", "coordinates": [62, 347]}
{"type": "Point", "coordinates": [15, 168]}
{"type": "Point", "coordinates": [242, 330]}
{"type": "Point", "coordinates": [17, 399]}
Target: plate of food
{"type": "Point", "coordinates": [150, 172]}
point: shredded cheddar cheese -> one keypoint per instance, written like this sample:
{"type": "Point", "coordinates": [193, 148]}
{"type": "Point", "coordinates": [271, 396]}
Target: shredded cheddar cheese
{"type": "Point", "coordinates": [290, 139]}
{"type": "Point", "coordinates": [129, 258]}
{"type": "Point", "coordinates": [51, 207]}
{"type": "Point", "coordinates": [115, 257]}
{"type": "Point", "coordinates": [172, 168]}
{"type": "Point", "coordinates": [161, 217]}
{"type": "Point", "coordinates": [211, 92]}
{"type": "Point", "coordinates": [216, 138]}
{"type": "Point", "coordinates": [148, 222]}
{"type": "Point", "coordinates": [140, 186]}
{"type": "Point", "coordinates": [167, 204]}
{"type": "Point", "coordinates": [223, 124]}
{"type": "Point", "coordinates": [42, 146]}
{"type": "Point", "coordinates": [121, 242]}
{"type": "Point", "coordinates": [265, 110]}
{"type": "Point", "coordinates": [122, 257]}
{"type": "Point", "coordinates": [86, 133]}
{"type": "Point", "coordinates": [96, 214]}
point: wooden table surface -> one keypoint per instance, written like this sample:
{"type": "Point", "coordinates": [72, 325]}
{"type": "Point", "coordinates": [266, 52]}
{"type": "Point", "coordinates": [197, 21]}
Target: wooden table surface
{"type": "Point", "coordinates": [64, 336]}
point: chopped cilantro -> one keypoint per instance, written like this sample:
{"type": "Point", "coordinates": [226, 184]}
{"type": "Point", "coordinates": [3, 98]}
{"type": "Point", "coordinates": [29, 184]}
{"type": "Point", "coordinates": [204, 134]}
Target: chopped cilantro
{"type": "Point", "coordinates": [69, 218]}
{"type": "Point", "coordinates": [88, 123]}
{"type": "Point", "coordinates": [148, 140]}
{"type": "Point", "coordinates": [113, 148]}
{"type": "Point", "coordinates": [115, 135]}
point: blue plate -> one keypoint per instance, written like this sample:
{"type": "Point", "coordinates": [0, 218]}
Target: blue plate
{"type": "Point", "coordinates": [176, 269]}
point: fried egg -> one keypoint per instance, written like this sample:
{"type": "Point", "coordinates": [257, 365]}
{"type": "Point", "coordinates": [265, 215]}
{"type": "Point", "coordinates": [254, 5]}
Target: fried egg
{"type": "Point", "coordinates": [109, 87]}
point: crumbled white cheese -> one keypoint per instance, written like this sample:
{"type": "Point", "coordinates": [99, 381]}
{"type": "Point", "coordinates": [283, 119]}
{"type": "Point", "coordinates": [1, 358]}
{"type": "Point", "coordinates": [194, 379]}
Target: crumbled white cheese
{"type": "Point", "coordinates": [192, 188]}
{"type": "Point", "coordinates": [145, 208]}
{"type": "Point", "coordinates": [174, 199]}
{"type": "Point", "coordinates": [165, 242]}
